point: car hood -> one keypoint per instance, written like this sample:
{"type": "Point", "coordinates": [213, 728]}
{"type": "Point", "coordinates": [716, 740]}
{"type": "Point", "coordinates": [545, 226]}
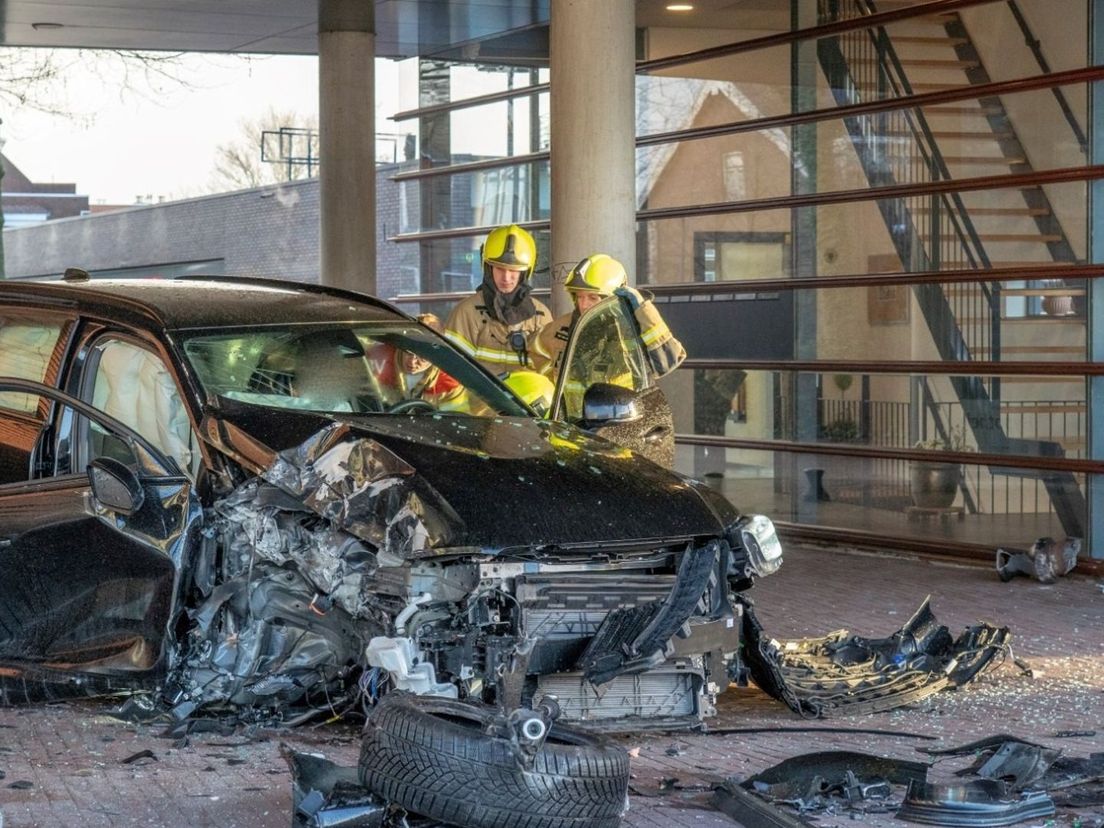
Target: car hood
{"type": "Point", "coordinates": [508, 482]}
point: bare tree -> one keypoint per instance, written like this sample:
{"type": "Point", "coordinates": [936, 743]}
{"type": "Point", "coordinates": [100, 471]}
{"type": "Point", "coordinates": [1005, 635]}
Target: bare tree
{"type": "Point", "coordinates": [38, 79]}
{"type": "Point", "coordinates": [239, 163]}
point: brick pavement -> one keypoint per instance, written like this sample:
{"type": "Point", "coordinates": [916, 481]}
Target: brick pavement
{"type": "Point", "coordinates": [70, 754]}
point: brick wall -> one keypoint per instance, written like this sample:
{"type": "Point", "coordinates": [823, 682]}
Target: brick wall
{"type": "Point", "coordinates": [269, 231]}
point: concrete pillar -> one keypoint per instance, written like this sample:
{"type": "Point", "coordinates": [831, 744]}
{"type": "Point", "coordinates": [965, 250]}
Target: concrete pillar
{"type": "Point", "coordinates": [1095, 320]}
{"type": "Point", "coordinates": [347, 137]}
{"type": "Point", "coordinates": [593, 111]}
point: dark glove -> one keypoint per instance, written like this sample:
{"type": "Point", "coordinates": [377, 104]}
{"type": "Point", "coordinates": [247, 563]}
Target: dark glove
{"type": "Point", "coordinates": [634, 296]}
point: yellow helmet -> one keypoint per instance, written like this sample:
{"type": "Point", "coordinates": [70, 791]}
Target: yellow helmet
{"type": "Point", "coordinates": [535, 390]}
{"type": "Point", "coordinates": [598, 273]}
{"type": "Point", "coordinates": [512, 247]}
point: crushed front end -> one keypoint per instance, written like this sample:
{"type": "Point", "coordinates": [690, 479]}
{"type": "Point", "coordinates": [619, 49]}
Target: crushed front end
{"type": "Point", "coordinates": [337, 574]}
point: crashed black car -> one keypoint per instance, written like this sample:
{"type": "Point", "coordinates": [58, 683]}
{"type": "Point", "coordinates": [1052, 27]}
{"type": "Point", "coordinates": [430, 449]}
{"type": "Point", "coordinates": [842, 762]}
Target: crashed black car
{"type": "Point", "coordinates": [242, 493]}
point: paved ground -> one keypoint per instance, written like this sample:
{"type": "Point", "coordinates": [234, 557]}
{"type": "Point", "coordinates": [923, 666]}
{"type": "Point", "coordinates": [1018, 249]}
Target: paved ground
{"type": "Point", "coordinates": [61, 764]}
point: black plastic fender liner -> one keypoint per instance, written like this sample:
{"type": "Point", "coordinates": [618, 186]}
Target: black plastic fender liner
{"type": "Point", "coordinates": [451, 760]}
{"type": "Point", "coordinates": [799, 771]}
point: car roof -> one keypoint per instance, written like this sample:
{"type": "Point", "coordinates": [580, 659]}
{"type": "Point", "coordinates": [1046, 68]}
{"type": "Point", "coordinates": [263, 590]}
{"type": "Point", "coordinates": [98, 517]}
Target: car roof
{"type": "Point", "coordinates": [201, 301]}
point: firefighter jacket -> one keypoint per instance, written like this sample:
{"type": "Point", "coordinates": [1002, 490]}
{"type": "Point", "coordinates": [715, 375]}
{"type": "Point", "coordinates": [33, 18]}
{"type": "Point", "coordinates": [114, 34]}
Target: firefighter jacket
{"type": "Point", "coordinates": [432, 385]}
{"type": "Point", "coordinates": [473, 329]}
{"type": "Point", "coordinates": [665, 353]}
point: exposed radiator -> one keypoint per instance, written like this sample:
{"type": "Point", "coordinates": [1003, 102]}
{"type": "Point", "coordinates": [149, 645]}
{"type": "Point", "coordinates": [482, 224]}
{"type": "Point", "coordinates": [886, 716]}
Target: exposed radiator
{"type": "Point", "coordinates": [669, 696]}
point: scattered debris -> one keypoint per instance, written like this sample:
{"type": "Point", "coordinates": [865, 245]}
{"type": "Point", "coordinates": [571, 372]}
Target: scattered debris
{"type": "Point", "coordinates": [988, 743]}
{"type": "Point", "coordinates": [326, 794]}
{"type": "Point", "coordinates": [840, 671]}
{"type": "Point", "coordinates": [1015, 763]}
{"type": "Point", "coordinates": [138, 757]}
{"type": "Point", "coordinates": [832, 766]}
{"type": "Point", "coordinates": [748, 809]}
{"type": "Point", "coordinates": [1019, 781]}
{"type": "Point", "coordinates": [1025, 767]}
{"type": "Point", "coordinates": [1047, 560]}
{"type": "Point", "coordinates": [985, 803]}
{"type": "Point", "coordinates": [835, 781]}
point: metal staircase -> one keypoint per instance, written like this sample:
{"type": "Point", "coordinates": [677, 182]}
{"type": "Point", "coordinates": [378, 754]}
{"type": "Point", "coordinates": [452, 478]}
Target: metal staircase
{"type": "Point", "coordinates": [950, 231]}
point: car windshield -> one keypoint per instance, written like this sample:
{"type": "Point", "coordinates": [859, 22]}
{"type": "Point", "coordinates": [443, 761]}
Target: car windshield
{"type": "Point", "coordinates": [380, 367]}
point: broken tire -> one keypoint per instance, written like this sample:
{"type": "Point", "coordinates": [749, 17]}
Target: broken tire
{"type": "Point", "coordinates": [439, 758]}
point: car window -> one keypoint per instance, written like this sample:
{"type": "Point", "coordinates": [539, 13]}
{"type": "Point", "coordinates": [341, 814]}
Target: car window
{"type": "Point", "coordinates": [18, 437]}
{"type": "Point", "coordinates": [133, 385]}
{"type": "Point", "coordinates": [606, 348]}
{"type": "Point", "coordinates": [25, 350]}
{"type": "Point", "coordinates": [376, 368]}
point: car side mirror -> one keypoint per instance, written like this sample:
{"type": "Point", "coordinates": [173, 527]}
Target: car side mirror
{"type": "Point", "coordinates": [115, 486]}
{"type": "Point", "coordinates": [604, 403]}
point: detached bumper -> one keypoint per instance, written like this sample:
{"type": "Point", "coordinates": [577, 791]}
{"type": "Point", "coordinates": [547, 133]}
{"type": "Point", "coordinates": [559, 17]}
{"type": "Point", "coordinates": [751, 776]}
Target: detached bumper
{"type": "Point", "coordinates": [817, 676]}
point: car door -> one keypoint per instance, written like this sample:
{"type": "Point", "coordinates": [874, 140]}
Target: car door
{"type": "Point", "coordinates": [90, 560]}
{"type": "Point", "coordinates": [607, 385]}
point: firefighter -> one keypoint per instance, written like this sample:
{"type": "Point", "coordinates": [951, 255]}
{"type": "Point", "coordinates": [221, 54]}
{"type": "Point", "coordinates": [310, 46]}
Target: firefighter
{"type": "Point", "coordinates": [534, 389]}
{"type": "Point", "coordinates": [495, 324]}
{"type": "Point", "coordinates": [593, 279]}
{"type": "Point", "coordinates": [410, 376]}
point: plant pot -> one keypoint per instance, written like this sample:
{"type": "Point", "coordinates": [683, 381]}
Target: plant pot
{"type": "Point", "coordinates": [934, 485]}
{"type": "Point", "coordinates": [1058, 305]}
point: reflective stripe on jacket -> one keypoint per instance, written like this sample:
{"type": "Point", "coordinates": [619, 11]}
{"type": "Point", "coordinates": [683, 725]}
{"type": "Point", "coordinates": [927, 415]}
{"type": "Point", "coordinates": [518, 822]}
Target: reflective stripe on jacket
{"type": "Point", "coordinates": [665, 353]}
{"type": "Point", "coordinates": [475, 332]}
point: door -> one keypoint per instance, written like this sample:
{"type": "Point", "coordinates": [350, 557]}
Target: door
{"type": "Point", "coordinates": [606, 368]}
{"type": "Point", "coordinates": [87, 588]}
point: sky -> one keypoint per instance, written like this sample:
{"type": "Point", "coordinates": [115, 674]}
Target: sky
{"type": "Point", "coordinates": [120, 146]}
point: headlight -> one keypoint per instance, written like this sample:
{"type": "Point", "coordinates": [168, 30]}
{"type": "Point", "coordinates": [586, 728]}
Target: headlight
{"type": "Point", "coordinates": [761, 543]}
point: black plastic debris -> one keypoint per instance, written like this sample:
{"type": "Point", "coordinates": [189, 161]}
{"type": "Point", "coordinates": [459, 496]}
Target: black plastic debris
{"type": "Point", "coordinates": [978, 745]}
{"type": "Point", "coordinates": [327, 795]}
{"type": "Point", "coordinates": [748, 809]}
{"type": "Point", "coordinates": [1084, 795]}
{"type": "Point", "coordinates": [187, 727]}
{"type": "Point", "coordinates": [840, 671]}
{"type": "Point", "coordinates": [632, 639]}
{"type": "Point", "coordinates": [835, 781]}
{"type": "Point", "coordinates": [984, 803]}
{"type": "Point", "coordinates": [141, 755]}
{"type": "Point", "coordinates": [834, 765]}
{"type": "Point", "coordinates": [1018, 764]}
{"type": "Point", "coordinates": [1071, 771]}
{"type": "Point", "coordinates": [1047, 560]}
{"type": "Point", "coordinates": [138, 708]}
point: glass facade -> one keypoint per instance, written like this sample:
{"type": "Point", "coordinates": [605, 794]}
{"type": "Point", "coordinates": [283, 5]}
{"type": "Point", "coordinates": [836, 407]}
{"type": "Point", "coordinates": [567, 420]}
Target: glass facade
{"type": "Point", "coordinates": [870, 226]}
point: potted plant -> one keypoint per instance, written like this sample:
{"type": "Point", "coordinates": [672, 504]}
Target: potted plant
{"type": "Point", "coordinates": [934, 483]}
{"type": "Point", "coordinates": [1056, 303]}
{"type": "Point", "coordinates": [840, 430]}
